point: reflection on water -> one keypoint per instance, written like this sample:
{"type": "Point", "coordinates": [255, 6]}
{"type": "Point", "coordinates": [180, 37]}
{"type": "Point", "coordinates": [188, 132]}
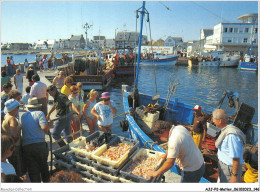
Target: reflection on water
{"type": "Point", "coordinates": [198, 85]}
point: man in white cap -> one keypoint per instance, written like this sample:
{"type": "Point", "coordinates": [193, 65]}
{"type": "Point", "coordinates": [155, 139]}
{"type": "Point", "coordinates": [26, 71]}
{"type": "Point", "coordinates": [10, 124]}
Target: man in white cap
{"type": "Point", "coordinates": [104, 111]}
{"type": "Point", "coordinates": [199, 128]}
{"type": "Point", "coordinates": [35, 149]}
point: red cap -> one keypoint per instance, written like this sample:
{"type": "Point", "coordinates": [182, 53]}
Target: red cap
{"type": "Point", "coordinates": [197, 107]}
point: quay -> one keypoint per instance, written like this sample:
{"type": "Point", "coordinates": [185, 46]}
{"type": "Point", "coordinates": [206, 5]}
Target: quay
{"type": "Point", "coordinates": [170, 177]}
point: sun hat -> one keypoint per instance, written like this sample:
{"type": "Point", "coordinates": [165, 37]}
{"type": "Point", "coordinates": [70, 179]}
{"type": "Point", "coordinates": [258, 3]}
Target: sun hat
{"type": "Point", "coordinates": [105, 95]}
{"type": "Point", "coordinates": [10, 105]}
{"type": "Point", "coordinates": [197, 108]}
{"type": "Point", "coordinates": [33, 103]}
{"type": "Point", "coordinates": [31, 65]}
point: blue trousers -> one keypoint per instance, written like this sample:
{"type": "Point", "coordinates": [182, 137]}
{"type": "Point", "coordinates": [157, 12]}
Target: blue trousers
{"type": "Point", "coordinates": [63, 124]}
{"type": "Point", "coordinates": [10, 70]}
{"type": "Point", "coordinates": [191, 176]}
{"type": "Point", "coordinates": [36, 157]}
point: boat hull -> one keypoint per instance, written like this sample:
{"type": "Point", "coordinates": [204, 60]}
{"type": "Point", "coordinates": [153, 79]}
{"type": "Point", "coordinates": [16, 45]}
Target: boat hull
{"type": "Point", "coordinates": [248, 66]}
{"type": "Point", "coordinates": [231, 63]}
{"type": "Point", "coordinates": [160, 61]}
{"type": "Point", "coordinates": [123, 70]}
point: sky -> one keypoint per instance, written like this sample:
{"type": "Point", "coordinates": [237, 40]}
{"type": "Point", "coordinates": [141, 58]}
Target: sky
{"type": "Point", "coordinates": [30, 21]}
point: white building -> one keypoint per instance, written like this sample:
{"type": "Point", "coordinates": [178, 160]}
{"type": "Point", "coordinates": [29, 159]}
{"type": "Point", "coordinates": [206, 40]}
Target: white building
{"type": "Point", "coordinates": [173, 41]}
{"type": "Point", "coordinates": [46, 44]}
{"type": "Point", "coordinates": [128, 40]}
{"type": "Point", "coordinates": [110, 43]}
{"type": "Point", "coordinates": [236, 36]}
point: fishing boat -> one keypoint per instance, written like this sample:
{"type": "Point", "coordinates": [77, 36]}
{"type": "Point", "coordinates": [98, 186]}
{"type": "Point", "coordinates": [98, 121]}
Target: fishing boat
{"type": "Point", "coordinates": [221, 59]}
{"type": "Point", "coordinates": [158, 59]}
{"type": "Point", "coordinates": [249, 61]}
{"type": "Point", "coordinates": [123, 66]}
{"type": "Point", "coordinates": [144, 110]}
{"type": "Point", "coordinates": [90, 70]}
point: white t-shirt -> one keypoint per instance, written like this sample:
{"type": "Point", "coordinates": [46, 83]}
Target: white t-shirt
{"type": "Point", "coordinates": [182, 147]}
{"type": "Point", "coordinates": [105, 113]}
{"type": "Point", "coordinates": [7, 168]}
{"type": "Point", "coordinates": [25, 98]}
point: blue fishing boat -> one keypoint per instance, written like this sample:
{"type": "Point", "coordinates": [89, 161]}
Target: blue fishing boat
{"type": "Point", "coordinates": [160, 60]}
{"type": "Point", "coordinates": [249, 62]}
{"type": "Point", "coordinates": [176, 112]}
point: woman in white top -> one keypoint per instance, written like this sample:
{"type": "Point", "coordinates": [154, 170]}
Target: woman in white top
{"type": "Point", "coordinates": [104, 111]}
{"type": "Point", "coordinates": [18, 80]}
{"type": "Point", "coordinates": [90, 119]}
{"type": "Point", "coordinates": [75, 122]}
{"type": "Point", "coordinates": [8, 147]}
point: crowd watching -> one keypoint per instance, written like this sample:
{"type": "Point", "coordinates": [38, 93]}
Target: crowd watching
{"type": "Point", "coordinates": [26, 120]}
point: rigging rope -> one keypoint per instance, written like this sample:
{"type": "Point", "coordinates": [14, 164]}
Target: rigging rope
{"type": "Point", "coordinates": [210, 11]}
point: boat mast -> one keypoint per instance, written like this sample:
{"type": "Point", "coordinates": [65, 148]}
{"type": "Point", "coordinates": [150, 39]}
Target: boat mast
{"type": "Point", "coordinates": [139, 43]}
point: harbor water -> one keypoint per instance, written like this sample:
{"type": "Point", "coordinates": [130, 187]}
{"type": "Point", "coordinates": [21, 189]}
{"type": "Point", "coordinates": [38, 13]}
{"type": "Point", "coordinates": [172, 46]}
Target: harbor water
{"type": "Point", "coordinates": [20, 58]}
{"type": "Point", "coordinates": [198, 86]}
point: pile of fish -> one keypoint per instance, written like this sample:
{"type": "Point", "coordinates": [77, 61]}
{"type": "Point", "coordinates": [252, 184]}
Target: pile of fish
{"type": "Point", "coordinates": [114, 153]}
{"type": "Point", "coordinates": [89, 147]}
{"type": "Point", "coordinates": [142, 165]}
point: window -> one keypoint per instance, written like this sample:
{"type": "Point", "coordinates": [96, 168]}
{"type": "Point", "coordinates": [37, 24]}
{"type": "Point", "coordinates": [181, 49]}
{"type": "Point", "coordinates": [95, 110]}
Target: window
{"type": "Point", "coordinates": [246, 30]}
{"type": "Point", "coordinates": [169, 40]}
{"type": "Point", "coordinates": [255, 30]}
{"type": "Point", "coordinates": [235, 30]}
{"type": "Point", "coordinates": [230, 30]}
{"type": "Point", "coordinates": [245, 40]}
{"type": "Point", "coordinates": [229, 41]}
{"type": "Point", "coordinates": [225, 30]}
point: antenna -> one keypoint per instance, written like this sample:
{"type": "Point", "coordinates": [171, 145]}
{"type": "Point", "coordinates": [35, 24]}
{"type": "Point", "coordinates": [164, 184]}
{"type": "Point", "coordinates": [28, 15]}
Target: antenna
{"type": "Point", "coordinates": [86, 27]}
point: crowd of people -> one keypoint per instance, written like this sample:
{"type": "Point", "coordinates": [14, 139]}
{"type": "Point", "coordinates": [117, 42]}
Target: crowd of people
{"type": "Point", "coordinates": [24, 148]}
{"type": "Point", "coordinates": [25, 152]}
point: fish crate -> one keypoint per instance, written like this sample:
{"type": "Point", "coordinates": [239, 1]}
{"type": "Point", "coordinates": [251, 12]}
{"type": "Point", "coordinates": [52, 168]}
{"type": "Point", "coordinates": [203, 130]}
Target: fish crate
{"type": "Point", "coordinates": [84, 167]}
{"type": "Point", "coordinates": [100, 136]}
{"type": "Point", "coordinates": [108, 169]}
{"type": "Point", "coordinates": [82, 159]}
{"type": "Point", "coordinates": [123, 180]}
{"type": "Point", "coordinates": [115, 164]}
{"type": "Point", "coordinates": [105, 176]}
{"type": "Point", "coordinates": [145, 153]}
{"type": "Point", "coordinates": [212, 130]}
{"type": "Point", "coordinates": [59, 164]}
{"type": "Point", "coordinates": [94, 178]}
{"type": "Point", "coordinates": [150, 117]}
{"type": "Point", "coordinates": [64, 154]}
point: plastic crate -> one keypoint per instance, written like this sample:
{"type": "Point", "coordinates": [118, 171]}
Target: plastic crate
{"type": "Point", "coordinates": [108, 168]}
{"type": "Point", "coordinates": [114, 142]}
{"type": "Point", "coordinates": [64, 153]}
{"type": "Point", "coordinates": [105, 176]}
{"type": "Point", "coordinates": [88, 180]}
{"type": "Point", "coordinates": [93, 177]}
{"type": "Point", "coordinates": [79, 165]}
{"type": "Point", "coordinates": [62, 165]}
{"type": "Point", "coordinates": [150, 117]}
{"type": "Point", "coordinates": [145, 153]}
{"type": "Point", "coordinates": [123, 180]}
{"type": "Point", "coordinates": [81, 141]}
{"type": "Point", "coordinates": [82, 159]}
